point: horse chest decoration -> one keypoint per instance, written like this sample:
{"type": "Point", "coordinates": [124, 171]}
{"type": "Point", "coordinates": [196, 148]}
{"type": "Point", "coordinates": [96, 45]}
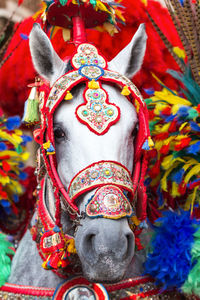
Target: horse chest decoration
{"type": "Point", "coordinates": [91, 164]}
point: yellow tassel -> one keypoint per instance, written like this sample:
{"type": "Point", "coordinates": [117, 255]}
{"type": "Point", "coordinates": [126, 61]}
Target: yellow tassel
{"type": "Point", "coordinates": [68, 96]}
{"type": "Point", "coordinates": [137, 104]}
{"type": "Point", "coordinates": [151, 143]}
{"type": "Point", "coordinates": [93, 85]}
{"type": "Point", "coordinates": [71, 246]}
{"type": "Point", "coordinates": [44, 265]}
{"type": "Point", "coordinates": [46, 145]}
{"type": "Point", "coordinates": [125, 91]}
{"type": "Point", "coordinates": [135, 220]}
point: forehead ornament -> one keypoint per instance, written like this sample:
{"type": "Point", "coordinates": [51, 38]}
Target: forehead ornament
{"type": "Point", "coordinates": [96, 112]}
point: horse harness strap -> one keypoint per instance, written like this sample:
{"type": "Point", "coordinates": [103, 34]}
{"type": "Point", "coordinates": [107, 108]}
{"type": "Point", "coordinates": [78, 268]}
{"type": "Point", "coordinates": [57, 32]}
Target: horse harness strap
{"type": "Point", "coordinates": [138, 287]}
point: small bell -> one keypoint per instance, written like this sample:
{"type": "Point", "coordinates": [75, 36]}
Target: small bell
{"type": "Point", "coordinates": [125, 91]}
{"type": "Point", "coordinates": [68, 96]}
{"type": "Point", "coordinates": [94, 85]}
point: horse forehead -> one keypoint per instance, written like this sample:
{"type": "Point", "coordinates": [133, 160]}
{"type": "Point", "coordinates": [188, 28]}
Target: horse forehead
{"type": "Point", "coordinates": [66, 110]}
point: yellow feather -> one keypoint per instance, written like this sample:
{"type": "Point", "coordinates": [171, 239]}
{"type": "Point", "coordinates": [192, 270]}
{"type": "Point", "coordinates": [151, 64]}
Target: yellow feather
{"type": "Point", "coordinates": [174, 191]}
{"type": "Point", "coordinates": [194, 171]}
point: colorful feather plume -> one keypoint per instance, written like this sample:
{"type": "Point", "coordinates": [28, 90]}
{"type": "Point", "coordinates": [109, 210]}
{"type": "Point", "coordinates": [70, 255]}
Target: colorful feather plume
{"type": "Point", "coordinates": [176, 234]}
{"type": "Point", "coordinates": [174, 170]}
{"type": "Point", "coordinates": [12, 157]}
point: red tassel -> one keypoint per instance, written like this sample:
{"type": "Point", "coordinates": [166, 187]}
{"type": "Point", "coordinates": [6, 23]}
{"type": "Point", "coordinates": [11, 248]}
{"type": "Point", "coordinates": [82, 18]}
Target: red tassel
{"type": "Point", "coordinates": [20, 2]}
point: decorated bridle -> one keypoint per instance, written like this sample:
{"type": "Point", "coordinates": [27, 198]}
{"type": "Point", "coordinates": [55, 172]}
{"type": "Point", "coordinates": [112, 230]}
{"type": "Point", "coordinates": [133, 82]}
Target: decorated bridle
{"type": "Point", "coordinates": [113, 182]}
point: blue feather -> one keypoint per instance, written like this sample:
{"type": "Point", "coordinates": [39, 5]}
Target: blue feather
{"type": "Point", "coordinates": [2, 146]}
{"type": "Point", "coordinates": [13, 122]}
{"type": "Point", "coordinates": [177, 177]}
{"type": "Point", "coordinates": [194, 149]}
{"type": "Point", "coordinates": [169, 261]}
{"type": "Point", "coordinates": [194, 126]}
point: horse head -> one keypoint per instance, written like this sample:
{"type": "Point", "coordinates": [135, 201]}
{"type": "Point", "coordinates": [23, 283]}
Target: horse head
{"type": "Point", "coordinates": [104, 242]}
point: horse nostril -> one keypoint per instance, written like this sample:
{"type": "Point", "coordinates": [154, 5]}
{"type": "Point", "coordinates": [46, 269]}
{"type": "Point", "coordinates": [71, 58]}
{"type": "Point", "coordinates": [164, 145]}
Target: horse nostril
{"type": "Point", "coordinates": [130, 243]}
{"type": "Point", "coordinates": [89, 246]}
{"type": "Point", "coordinates": [89, 241]}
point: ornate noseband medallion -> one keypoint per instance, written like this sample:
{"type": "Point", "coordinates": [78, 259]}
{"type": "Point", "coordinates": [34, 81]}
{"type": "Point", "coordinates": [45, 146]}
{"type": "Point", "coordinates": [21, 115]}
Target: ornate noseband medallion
{"type": "Point", "coordinates": [109, 202]}
{"type": "Point", "coordinates": [97, 113]}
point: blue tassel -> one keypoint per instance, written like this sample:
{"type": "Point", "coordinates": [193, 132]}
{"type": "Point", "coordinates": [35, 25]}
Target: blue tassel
{"type": "Point", "coordinates": [24, 36]}
{"type": "Point", "coordinates": [51, 149]}
{"type": "Point", "coordinates": [146, 145]}
{"type": "Point", "coordinates": [56, 229]}
{"type": "Point", "coordinates": [149, 91]}
{"type": "Point", "coordinates": [143, 224]}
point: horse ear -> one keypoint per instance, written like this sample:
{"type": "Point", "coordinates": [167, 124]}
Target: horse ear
{"type": "Point", "coordinates": [130, 59]}
{"type": "Point", "coordinates": [45, 60]}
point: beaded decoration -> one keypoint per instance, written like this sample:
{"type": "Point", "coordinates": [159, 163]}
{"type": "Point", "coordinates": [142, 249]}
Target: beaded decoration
{"type": "Point", "coordinates": [109, 202]}
{"type": "Point", "coordinates": [100, 174]}
{"type": "Point", "coordinates": [97, 113]}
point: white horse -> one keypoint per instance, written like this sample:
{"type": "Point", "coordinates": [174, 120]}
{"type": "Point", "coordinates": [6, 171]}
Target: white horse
{"type": "Point", "coordinates": [105, 247]}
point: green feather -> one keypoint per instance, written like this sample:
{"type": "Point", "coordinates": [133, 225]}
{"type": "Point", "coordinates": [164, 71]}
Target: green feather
{"type": "Point", "coordinates": [192, 284]}
{"type": "Point", "coordinates": [63, 2]}
{"type": "Point", "coordinates": [5, 262]}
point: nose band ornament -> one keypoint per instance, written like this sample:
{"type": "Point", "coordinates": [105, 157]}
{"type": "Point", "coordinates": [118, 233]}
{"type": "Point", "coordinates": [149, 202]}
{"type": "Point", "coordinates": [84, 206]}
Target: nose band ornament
{"type": "Point", "coordinates": [109, 202]}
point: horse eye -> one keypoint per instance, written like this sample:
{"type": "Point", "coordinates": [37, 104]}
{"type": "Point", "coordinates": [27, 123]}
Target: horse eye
{"type": "Point", "coordinates": [59, 133]}
{"type": "Point", "coordinates": [135, 131]}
